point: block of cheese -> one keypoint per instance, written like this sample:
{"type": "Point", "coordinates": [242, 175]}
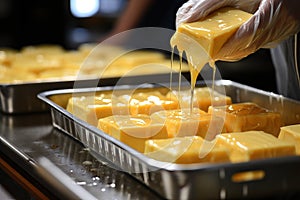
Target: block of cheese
{"type": "Point", "coordinates": [133, 130]}
{"type": "Point", "coordinates": [183, 122]}
{"type": "Point", "coordinates": [248, 116]}
{"type": "Point", "coordinates": [203, 98]}
{"type": "Point", "coordinates": [253, 145]}
{"type": "Point", "coordinates": [148, 102]}
{"type": "Point", "coordinates": [92, 108]}
{"type": "Point", "coordinates": [291, 134]}
{"type": "Point", "coordinates": [211, 32]}
{"type": "Point", "coordinates": [186, 150]}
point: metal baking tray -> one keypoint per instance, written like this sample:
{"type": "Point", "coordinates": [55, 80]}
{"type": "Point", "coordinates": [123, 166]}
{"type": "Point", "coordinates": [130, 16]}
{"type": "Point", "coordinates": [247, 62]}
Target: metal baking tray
{"type": "Point", "coordinates": [20, 98]}
{"type": "Point", "coordinates": [190, 181]}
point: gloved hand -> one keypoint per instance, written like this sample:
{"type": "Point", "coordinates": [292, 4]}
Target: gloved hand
{"type": "Point", "coordinates": [272, 22]}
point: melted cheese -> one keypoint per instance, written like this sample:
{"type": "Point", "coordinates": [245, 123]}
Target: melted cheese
{"type": "Point", "coordinates": [185, 150]}
{"type": "Point", "coordinates": [252, 145]}
{"type": "Point", "coordinates": [202, 40]}
{"type": "Point", "coordinates": [208, 35]}
{"type": "Point", "coordinates": [291, 134]}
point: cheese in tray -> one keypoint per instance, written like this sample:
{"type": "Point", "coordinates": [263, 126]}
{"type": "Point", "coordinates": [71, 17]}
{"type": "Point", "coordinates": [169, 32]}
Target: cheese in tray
{"type": "Point", "coordinates": [138, 123]}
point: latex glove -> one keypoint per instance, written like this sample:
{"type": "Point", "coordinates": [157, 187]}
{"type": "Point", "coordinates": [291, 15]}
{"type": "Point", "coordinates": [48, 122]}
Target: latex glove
{"type": "Point", "coordinates": [272, 22]}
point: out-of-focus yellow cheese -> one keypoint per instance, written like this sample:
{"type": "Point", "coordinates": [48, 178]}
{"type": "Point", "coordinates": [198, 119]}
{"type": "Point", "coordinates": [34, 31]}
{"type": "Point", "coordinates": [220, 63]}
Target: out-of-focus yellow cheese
{"type": "Point", "coordinates": [42, 49]}
{"type": "Point", "coordinates": [248, 116]}
{"type": "Point", "coordinates": [133, 130]}
{"type": "Point", "coordinates": [291, 134]}
{"type": "Point", "coordinates": [211, 32]}
{"type": "Point", "coordinates": [7, 56]}
{"type": "Point", "coordinates": [52, 62]}
{"type": "Point", "coordinates": [203, 98]}
{"type": "Point", "coordinates": [253, 145]}
{"type": "Point", "coordinates": [58, 74]}
{"type": "Point", "coordinates": [185, 150]}
{"type": "Point", "coordinates": [183, 122]}
{"type": "Point", "coordinates": [135, 58]}
{"type": "Point", "coordinates": [35, 63]}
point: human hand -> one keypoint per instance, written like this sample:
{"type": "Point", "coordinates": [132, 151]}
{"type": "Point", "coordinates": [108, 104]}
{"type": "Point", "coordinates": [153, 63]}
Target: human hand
{"type": "Point", "coordinates": [272, 22]}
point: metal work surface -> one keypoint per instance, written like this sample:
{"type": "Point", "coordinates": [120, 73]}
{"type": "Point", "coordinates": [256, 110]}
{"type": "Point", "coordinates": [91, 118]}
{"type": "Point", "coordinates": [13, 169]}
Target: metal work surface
{"type": "Point", "coordinates": [30, 139]}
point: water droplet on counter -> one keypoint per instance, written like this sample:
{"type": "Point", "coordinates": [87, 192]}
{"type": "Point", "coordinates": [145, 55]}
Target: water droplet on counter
{"type": "Point", "coordinates": [93, 184]}
{"type": "Point", "coordinates": [81, 183]}
{"type": "Point", "coordinates": [113, 185]}
{"type": "Point", "coordinates": [96, 178]}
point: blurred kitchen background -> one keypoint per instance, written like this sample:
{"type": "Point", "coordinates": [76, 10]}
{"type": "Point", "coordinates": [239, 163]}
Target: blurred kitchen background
{"type": "Point", "coordinates": [70, 23]}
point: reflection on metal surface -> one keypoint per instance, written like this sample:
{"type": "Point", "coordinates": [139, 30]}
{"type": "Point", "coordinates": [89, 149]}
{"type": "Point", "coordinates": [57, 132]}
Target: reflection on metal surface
{"type": "Point", "coordinates": [34, 136]}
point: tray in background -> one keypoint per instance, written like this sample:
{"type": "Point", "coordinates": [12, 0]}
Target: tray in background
{"type": "Point", "coordinates": [22, 97]}
{"type": "Point", "coordinates": [193, 181]}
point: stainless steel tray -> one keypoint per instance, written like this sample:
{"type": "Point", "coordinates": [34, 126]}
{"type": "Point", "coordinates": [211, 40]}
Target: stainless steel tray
{"type": "Point", "coordinates": [22, 97]}
{"type": "Point", "coordinates": [193, 181]}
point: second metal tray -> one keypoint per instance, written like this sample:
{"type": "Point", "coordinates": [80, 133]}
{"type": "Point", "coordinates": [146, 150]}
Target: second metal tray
{"type": "Point", "coordinates": [20, 98]}
{"type": "Point", "coordinates": [193, 181]}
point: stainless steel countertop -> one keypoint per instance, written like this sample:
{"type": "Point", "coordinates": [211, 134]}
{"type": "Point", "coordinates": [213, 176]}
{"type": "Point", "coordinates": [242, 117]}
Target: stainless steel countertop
{"type": "Point", "coordinates": [29, 139]}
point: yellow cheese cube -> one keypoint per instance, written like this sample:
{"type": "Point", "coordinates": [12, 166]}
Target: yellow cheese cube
{"type": "Point", "coordinates": [186, 150]}
{"type": "Point", "coordinates": [248, 116]}
{"type": "Point", "coordinates": [148, 102]}
{"type": "Point", "coordinates": [92, 108]}
{"type": "Point", "coordinates": [182, 123]}
{"type": "Point", "coordinates": [203, 98]}
{"type": "Point", "coordinates": [133, 130]}
{"type": "Point", "coordinates": [253, 145]}
{"type": "Point", "coordinates": [211, 32]}
{"type": "Point", "coordinates": [291, 134]}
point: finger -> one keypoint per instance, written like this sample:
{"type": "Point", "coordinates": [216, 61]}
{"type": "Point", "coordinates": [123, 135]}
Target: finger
{"type": "Point", "coordinates": [197, 10]}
